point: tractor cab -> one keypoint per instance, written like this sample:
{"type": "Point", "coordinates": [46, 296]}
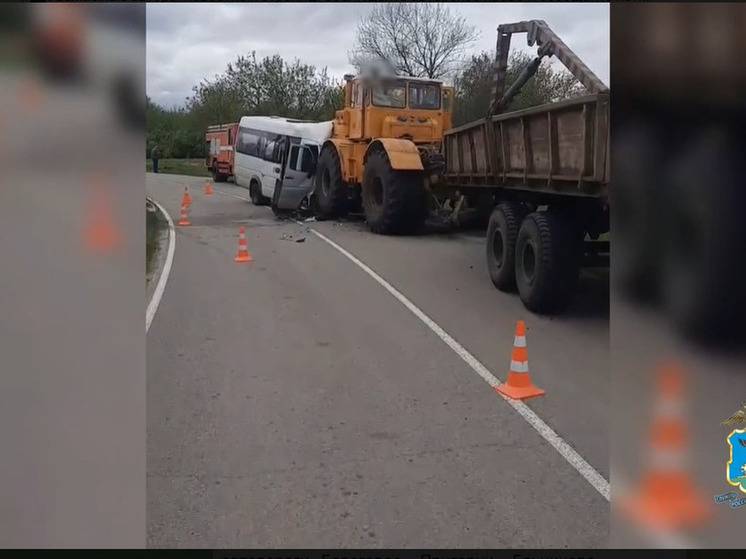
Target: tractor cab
{"type": "Point", "coordinates": [384, 149]}
{"type": "Point", "coordinates": [416, 109]}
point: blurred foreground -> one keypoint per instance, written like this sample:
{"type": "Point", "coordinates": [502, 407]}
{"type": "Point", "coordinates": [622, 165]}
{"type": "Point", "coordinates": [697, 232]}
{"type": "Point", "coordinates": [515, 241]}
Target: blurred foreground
{"type": "Point", "coordinates": [678, 238]}
{"type": "Point", "coordinates": [72, 231]}
{"type": "Point", "coordinates": [72, 392]}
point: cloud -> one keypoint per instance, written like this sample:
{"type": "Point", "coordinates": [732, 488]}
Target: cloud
{"type": "Point", "coordinates": [187, 43]}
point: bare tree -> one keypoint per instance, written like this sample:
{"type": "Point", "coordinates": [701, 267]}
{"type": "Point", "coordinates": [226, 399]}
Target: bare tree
{"type": "Point", "coordinates": [415, 39]}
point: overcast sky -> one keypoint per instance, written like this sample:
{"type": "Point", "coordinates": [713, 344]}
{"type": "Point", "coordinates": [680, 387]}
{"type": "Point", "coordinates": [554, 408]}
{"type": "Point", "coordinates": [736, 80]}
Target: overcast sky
{"type": "Point", "coordinates": [189, 42]}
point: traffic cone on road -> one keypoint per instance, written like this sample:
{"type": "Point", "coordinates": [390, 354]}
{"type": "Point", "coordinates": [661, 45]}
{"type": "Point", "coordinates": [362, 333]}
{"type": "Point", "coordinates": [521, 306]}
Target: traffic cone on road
{"type": "Point", "coordinates": [184, 217]}
{"type": "Point", "coordinates": [667, 498]}
{"type": "Point", "coordinates": [186, 200]}
{"type": "Point", "coordinates": [519, 385]}
{"type": "Point", "coordinates": [208, 188]}
{"type": "Point", "coordinates": [243, 254]}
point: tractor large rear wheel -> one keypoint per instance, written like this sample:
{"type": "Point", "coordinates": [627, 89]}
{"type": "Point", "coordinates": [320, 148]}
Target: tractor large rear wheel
{"type": "Point", "coordinates": [330, 196]}
{"type": "Point", "coordinates": [393, 201]}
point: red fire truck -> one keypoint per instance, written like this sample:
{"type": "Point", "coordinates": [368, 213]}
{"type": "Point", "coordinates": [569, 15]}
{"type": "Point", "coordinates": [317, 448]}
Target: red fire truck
{"type": "Point", "coordinates": [219, 140]}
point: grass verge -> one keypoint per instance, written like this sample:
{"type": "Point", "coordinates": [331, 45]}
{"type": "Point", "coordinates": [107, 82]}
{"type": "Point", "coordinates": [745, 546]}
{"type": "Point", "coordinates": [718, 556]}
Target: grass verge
{"type": "Point", "coordinates": [191, 167]}
{"type": "Point", "coordinates": [155, 224]}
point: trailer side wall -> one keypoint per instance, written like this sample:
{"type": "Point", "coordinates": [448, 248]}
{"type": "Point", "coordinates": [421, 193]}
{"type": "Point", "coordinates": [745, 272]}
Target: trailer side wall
{"type": "Point", "coordinates": [560, 148]}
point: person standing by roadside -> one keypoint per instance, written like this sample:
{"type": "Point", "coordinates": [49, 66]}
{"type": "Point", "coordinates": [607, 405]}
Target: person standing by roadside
{"type": "Point", "coordinates": [155, 155]}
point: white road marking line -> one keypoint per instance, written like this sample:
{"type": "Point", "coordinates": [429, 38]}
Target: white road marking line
{"type": "Point", "coordinates": [161, 285]}
{"type": "Point", "coordinates": [596, 480]}
{"type": "Point", "coordinates": [591, 475]}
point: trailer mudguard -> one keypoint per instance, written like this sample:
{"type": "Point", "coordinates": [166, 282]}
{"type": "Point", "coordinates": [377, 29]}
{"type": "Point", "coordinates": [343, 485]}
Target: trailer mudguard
{"type": "Point", "coordinates": [403, 154]}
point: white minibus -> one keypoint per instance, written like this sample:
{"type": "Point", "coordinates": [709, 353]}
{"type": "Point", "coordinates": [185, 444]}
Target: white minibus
{"type": "Point", "coordinates": [272, 151]}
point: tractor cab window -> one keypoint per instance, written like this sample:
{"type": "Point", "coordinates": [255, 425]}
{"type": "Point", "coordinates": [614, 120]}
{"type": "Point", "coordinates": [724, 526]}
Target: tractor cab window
{"type": "Point", "coordinates": [447, 100]}
{"type": "Point", "coordinates": [389, 94]}
{"type": "Point", "coordinates": [357, 94]}
{"type": "Point", "coordinates": [424, 96]}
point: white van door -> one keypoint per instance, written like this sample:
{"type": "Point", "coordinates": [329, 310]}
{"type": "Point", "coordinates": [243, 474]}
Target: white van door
{"type": "Point", "coordinates": [298, 178]}
{"type": "Point", "coordinates": [272, 164]}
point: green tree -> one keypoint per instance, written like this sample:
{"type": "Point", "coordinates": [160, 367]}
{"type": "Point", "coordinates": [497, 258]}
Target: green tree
{"type": "Point", "coordinates": [474, 86]}
{"type": "Point", "coordinates": [270, 86]}
{"type": "Point", "coordinates": [174, 131]}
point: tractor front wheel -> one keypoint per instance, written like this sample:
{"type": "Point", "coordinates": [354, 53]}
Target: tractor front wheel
{"type": "Point", "coordinates": [330, 195]}
{"type": "Point", "coordinates": [393, 201]}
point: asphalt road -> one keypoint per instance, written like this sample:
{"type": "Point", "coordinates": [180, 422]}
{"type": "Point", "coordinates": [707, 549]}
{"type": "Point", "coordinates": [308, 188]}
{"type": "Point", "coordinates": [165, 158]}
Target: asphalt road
{"type": "Point", "coordinates": [295, 402]}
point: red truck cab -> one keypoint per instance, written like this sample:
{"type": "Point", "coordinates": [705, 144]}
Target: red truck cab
{"type": "Point", "coordinates": [220, 140]}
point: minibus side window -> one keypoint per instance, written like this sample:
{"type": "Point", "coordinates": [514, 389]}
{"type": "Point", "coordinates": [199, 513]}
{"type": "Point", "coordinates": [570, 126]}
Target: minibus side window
{"type": "Point", "coordinates": [293, 161]}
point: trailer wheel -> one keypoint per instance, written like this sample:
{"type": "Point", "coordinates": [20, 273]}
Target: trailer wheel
{"type": "Point", "coordinates": [502, 233]}
{"type": "Point", "coordinates": [393, 201]}
{"type": "Point", "coordinates": [547, 260]}
{"type": "Point", "coordinates": [217, 176]}
{"type": "Point", "coordinates": [255, 193]}
{"type": "Point", "coordinates": [329, 199]}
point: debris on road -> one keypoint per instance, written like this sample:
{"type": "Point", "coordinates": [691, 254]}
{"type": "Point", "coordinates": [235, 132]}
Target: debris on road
{"type": "Point", "coordinates": [291, 237]}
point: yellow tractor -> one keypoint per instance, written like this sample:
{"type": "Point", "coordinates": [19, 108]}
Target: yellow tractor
{"type": "Point", "coordinates": [384, 151]}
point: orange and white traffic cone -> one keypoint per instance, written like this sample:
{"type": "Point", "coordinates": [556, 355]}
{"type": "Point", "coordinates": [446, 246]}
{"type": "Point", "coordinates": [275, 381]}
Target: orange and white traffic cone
{"type": "Point", "coordinates": [243, 254]}
{"type": "Point", "coordinates": [519, 385]}
{"type": "Point", "coordinates": [207, 190]}
{"type": "Point", "coordinates": [184, 217]}
{"type": "Point", "coordinates": [667, 498]}
{"type": "Point", "coordinates": [186, 200]}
